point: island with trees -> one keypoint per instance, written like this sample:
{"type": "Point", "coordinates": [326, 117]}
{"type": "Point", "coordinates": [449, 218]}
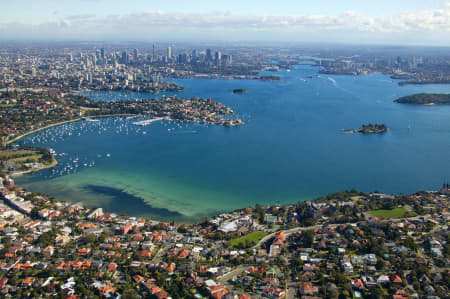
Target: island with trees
{"type": "Point", "coordinates": [240, 90]}
{"type": "Point", "coordinates": [425, 99]}
{"type": "Point", "coordinates": [369, 129]}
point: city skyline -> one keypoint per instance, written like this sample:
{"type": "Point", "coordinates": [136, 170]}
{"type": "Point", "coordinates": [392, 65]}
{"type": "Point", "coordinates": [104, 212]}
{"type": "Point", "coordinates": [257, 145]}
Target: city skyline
{"type": "Point", "coordinates": [403, 22]}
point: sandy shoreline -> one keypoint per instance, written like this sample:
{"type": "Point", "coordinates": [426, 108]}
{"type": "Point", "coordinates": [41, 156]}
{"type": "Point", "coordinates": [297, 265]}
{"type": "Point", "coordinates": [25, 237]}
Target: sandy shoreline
{"type": "Point", "coordinates": [51, 165]}
{"type": "Point", "coordinates": [40, 129]}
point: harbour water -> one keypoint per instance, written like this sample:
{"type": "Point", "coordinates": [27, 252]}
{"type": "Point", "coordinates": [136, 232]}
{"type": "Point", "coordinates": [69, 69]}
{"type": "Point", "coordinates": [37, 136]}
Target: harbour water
{"type": "Point", "coordinates": [290, 149]}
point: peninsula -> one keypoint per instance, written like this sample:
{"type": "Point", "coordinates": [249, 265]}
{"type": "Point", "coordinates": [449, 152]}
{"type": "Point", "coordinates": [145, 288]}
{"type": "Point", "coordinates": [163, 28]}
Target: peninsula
{"type": "Point", "coordinates": [369, 129]}
{"type": "Point", "coordinates": [270, 78]}
{"type": "Point", "coordinates": [28, 111]}
{"type": "Point", "coordinates": [425, 99]}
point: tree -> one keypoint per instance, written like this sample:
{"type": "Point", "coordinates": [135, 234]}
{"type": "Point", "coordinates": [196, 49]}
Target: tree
{"type": "Point", "coordinates": [261, 213]}
{"type": "Point", "coordinates": [308, 238]}
{"type": "Point", "coordinates": [375, 293]}
{"type": "Point", "coordinates": [130, 294]}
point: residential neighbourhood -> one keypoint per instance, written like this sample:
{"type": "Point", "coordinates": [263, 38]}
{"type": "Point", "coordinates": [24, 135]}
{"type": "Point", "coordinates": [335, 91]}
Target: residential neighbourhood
{"type": "Point", "coordinates": [331, 247]}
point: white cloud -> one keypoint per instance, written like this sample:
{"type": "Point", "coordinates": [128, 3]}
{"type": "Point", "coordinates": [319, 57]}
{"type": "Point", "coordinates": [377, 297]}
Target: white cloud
{"type": "Point", "coordinates": [151, 24]}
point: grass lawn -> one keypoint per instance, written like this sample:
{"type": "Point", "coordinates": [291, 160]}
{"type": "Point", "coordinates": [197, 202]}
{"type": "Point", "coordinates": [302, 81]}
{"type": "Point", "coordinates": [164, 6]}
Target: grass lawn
{"type": "Point", "coordinates": [254, 236]}
{"type": "Point", "coordinates": [6, 155]}
{"type": "Point", "coordinates": [395, 213]}
{"type": "Point", "coordinates": [356, 198]}
{"type": "Point", "coordinates": [23, 159]}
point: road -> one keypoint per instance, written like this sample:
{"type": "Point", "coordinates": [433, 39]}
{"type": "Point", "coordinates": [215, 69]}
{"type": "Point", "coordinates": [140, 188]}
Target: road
{"type": "Point", "coordinates": [288, 232]}
{"type": "Point", "coordinates": [236, 272]}
{"type": "Point", "coordinates": [161, 252]}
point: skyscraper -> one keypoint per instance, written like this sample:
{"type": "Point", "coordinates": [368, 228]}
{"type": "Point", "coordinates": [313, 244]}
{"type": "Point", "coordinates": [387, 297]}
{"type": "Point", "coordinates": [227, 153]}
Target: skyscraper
{"type": "Point", "coordinates": [208, 55]}
{"type": "Point", "coordinates": [169, 52]}
{"type": "Point", "coordinates": [218, 57]}
{"type": "Point", "coordinates": [102, 53]}
{"type": "Point", "coordinates": [135, 54]}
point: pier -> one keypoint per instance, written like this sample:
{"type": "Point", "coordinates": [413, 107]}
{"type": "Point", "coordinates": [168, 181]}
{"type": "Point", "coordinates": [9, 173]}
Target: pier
{"type": "Point", "coordinates": [148, 121]}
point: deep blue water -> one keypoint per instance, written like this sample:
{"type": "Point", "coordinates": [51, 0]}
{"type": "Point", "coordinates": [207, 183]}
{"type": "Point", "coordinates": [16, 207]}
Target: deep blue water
{"type": "Point", "coordinates": [291, 148]}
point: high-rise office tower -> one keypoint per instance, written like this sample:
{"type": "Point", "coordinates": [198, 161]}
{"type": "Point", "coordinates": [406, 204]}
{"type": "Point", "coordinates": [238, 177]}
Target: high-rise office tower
{"type": "Point", "coordinates": [208, 55]}
{"type": "Point", "coordinates": [218, 57]}
{"type": "Point", "coordinates": [169, 52]}
{"type": "Point", "coordinates": [124, 57]}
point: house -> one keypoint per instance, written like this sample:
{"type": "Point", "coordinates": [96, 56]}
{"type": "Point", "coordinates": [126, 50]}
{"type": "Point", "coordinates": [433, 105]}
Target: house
{"type": "Point", "coordinates": [308, 289]}
{"type": "Point", "coordinates": [274, 250]}
{"type": "Point", "coordinates": [183, 253]}
{"type": "Point", "coordinates": [159, 293]}
{"type": "Point", "coordinates": [371, 259]}
{"type": "Point", "coordinates": [280, 235]}
{"type": "Point", "coordinates": [171, 268]}
{"type": "Point", "coordinates": [383, 279]}
{"type": "Point", "coordinates": [49, 250]}
{"type": "Point", "coordinates": [348, 267]}
{"type": "Point", "coordinates": [217, 291]}
{"type": "Point", "coordinates": [84, 251]}
{"type": "Point", "coordinates": [396, 279]}
{"type": "Point", "coordinates": [27, 282]}
{"type": "Point", "coordinates": [138, 278]}
{"type": "Point", "coordinates": [357, 284]}
{"type": "Point", "coordinates": [107, 291]}
{"type": "Point", "coordinates": [112, 267]}
{"type": "Point", "coordinates": [274, 293]}
{"type": "Point", "coordinates": [126, 228]}
{"type": "Point", "coordinates": [146, 254]}
{"type": "Point", "coordinates": [3, 282]}
{"type": "Point", "coordinates": [369, 281]}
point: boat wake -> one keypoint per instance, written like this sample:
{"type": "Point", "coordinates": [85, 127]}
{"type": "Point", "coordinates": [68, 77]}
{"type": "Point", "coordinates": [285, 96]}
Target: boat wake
{"type": "Point", "coordinates": [332, 81]}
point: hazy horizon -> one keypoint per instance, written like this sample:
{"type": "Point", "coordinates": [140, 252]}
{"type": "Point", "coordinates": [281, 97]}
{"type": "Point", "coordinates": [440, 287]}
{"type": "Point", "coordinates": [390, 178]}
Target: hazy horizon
{"type": "Point", "coordinates": [413, 22]}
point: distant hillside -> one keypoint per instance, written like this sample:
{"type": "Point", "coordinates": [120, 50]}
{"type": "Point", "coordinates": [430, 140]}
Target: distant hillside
{"type": "Point", "coordinates": [425, 99]}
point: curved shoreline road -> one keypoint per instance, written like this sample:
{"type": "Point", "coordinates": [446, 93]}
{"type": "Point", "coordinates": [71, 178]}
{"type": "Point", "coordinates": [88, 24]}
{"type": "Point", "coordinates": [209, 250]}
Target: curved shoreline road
{"type": "Point", "coordinates": [289, 232]}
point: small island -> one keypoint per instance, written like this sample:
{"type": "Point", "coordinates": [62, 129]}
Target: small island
{"type": "Point", "coordinates": [369, 129]}
{"type": "Point", "coordinates": [425, 99]}
{"type": "Point", "coordinates": [239, 90]}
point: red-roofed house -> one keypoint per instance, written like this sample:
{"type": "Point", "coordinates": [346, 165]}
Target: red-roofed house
{"type": "Point", "coordinates": [146, 253]}
{"type": "Point", "coordinates": [217, 291]}
{"type": "Point", "coordinates": [183, 253]}
{"type": "Point", "coordinates": [27, 282]}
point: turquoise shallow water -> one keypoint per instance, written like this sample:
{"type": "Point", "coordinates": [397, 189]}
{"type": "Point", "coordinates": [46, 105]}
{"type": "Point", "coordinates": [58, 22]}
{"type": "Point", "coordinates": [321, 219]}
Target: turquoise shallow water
{"type": "Point", "coordinates": [290, 149]}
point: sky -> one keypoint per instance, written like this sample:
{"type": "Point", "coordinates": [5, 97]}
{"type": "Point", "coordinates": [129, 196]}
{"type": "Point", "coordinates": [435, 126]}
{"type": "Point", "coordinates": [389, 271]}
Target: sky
{"type": "Point", "coordinates": [400, 22]}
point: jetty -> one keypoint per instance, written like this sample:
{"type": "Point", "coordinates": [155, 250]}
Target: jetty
{"type": "Point", "coordinates": [148, 121]}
